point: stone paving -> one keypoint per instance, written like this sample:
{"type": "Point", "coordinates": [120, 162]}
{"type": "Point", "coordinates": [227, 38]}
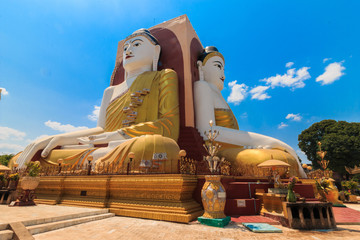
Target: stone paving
{"type": "Point", "coordinates": [134, 228]}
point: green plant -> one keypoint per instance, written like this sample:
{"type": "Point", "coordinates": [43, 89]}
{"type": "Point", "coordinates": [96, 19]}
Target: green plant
{"type": "Point", "coordinates": [4, 159]}
{"type": "Point", "coordinates": [33, 168]}
{"type": "Point", "coordinates": [292, 182]}
{"type": "Point", "coordinates": [14, 177]}
{"type": "Point", "coordinates": [351, 186]}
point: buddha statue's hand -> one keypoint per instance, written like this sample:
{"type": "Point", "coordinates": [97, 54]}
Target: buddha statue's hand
{"type": "Point", "coordinates": [46, 143]}
{"type": "Point", "coordinates": [101, 138]}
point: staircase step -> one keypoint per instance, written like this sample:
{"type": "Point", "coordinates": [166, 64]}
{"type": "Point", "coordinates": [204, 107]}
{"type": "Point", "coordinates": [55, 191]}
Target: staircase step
{"type": "Point", "coordinates": [65, 217]}
{"type": "Point", "coordinates": [6, 234]}
{"type": "Point", "coordinates": [36, 229]}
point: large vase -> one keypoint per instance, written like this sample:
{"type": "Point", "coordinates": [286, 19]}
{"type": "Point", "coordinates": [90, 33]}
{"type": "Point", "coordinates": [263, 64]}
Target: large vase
{"type": "Point", "coordinates": [29, 183]}
{"type": "Point", "coordinates": [290, 196]}
{"type": "Point", "coordinates": [213, 197]}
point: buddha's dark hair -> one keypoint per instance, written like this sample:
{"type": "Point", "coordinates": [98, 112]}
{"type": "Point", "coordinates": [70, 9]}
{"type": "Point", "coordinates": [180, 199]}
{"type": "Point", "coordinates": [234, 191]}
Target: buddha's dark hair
{"type": "Point", "coordinates": [206, 51]}
{"type": "Point", "coordinates": [146, 33]}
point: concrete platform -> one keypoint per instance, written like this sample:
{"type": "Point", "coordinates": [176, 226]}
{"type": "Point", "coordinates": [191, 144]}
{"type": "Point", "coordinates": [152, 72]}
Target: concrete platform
{"type": "Point", "coordinates": [27, 221]}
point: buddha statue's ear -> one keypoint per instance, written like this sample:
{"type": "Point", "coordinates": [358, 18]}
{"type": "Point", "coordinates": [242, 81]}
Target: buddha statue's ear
{"type": "Point", "coordinates": [201, 72]}
{"type": "Point", "coordinates": [156, 57]}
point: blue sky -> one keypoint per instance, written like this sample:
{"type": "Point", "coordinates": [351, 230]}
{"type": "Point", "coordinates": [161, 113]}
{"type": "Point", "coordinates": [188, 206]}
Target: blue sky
{"type": "Point", "coordinates": [294, 62]}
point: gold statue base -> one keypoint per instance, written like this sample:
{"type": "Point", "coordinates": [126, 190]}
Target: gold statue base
{"type": "Point", "coordinates": [165, 197]}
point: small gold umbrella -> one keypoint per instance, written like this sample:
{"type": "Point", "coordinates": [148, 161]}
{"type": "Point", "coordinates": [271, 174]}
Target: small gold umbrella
{"type": "Point", "coordinates": [273, 163]}
{"type": "Point", "coordinates": [4, 168]}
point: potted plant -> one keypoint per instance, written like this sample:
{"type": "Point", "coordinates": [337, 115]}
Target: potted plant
{"type": "Point", "coordinates": [350, 187]}
{"type": "Point", "coordinates": [290, 194]}
{"type": "Point", "coordinates": [323, 187]}
{"type": "Point", "coordinates": [31, 179]}
{"type": "Point", "coordinates": [13, 180]}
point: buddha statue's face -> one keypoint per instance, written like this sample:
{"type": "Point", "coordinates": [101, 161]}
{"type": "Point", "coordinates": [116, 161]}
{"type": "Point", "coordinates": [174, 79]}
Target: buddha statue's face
{"type": "Point", "coordinates": [138, 52]}
{"type": "Point", "coordinates": [214, 71]}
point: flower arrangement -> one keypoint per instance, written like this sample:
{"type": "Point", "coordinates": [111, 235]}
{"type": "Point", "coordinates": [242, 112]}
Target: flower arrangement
{"type": "Point", "coordinates": [323, 184]}
{"type": "Point", "coordinates": [33, 168]}
{"type": "Point", "coordinates": [292, 182]}
{"type": "Point", "coordinates": [212, 149]}
{"type": "Point", "coordinates": [14, 177]}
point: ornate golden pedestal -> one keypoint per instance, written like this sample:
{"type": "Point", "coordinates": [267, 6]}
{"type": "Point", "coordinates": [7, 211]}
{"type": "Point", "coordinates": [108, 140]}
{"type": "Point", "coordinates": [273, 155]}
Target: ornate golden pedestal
{"type": "Point", "coordinates": [162, 197]}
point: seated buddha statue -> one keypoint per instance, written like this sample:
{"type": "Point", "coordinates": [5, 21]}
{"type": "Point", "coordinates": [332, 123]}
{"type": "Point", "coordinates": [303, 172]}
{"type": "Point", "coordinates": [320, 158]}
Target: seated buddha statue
{"type": "Point", "coordinates": [140, 115]}
{"type": "Point", "coordinates": [244, 150]}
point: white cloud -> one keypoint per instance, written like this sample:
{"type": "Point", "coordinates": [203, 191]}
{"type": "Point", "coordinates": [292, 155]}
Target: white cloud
{"type": "Point", "coordinates": [333, 72]}
{"type": "Point", "coordinates": [8, 148]}
{"type": "Point", "coordinates": [63, 127]}
{"type": "Point", "coordinates": [289, 64]}
{"type": "Point", "coordinates": [3, 91]}
{"type": "Point", "coordinates": [294, 117]}
{"type": "Point", "coordinates": [244, 115]}
{"type": "Point", "coordinates": [282, 125]}
{"type": "Point", "coordinates": [292, 78]}
{"type": "Point", "coordinates": [7, 133]}
{"type": "Point", "coordinates": [95, 114]}
{"type": "Point", "coordinates": [259, 93]}
{"type": "Point", "coordinates": [326, 59]}
{"type": "Point", "coordinates": [238, 92]}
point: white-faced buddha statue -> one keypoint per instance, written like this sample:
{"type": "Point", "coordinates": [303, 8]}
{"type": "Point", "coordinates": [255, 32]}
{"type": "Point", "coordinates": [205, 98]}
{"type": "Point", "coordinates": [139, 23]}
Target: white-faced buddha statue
{"type": "Point", "coordinates": [245, 150]}
{"type": "Point", "coordinates": [140, 115]}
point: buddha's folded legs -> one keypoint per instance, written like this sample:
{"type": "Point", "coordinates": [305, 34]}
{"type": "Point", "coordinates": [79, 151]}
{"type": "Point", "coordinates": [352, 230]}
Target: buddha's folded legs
{"type": "Point", "coordinates": [245, 161]}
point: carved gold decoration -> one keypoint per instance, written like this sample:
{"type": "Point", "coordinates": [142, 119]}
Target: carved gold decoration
{"type": "Point", "coordinates": [354, 170]}
{"type": "Point", "coordinates": [162, 197]}
{"type": "Point", "coordinates": [225, 168]}
{"type": "Point", "coordinates": [187, 166]}
{"type": "Point", "coordinates": [323, 163]}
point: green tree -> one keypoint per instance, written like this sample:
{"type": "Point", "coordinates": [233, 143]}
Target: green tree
{"type": "Point", "coordinates": [340, 139]}
{"type": "Point", "coordinates": [4, 159]}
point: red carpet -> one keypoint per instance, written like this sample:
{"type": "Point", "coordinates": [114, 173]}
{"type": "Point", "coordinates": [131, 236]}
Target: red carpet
{"type": "Point", "coordinates": [346, 215]}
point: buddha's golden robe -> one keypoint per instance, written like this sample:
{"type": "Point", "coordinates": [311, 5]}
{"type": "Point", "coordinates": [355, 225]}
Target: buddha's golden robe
{"type": "Point", "coordinates": [245, 161]}
{"type": "Point", "coordinates": [149, 107]}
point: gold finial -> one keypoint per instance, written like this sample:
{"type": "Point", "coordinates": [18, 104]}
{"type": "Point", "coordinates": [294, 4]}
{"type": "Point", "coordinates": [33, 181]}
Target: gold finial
{"type": "Point", "coordinates": [60, 161]}
{"type": "Point", "coordinates": [131, 155]}
{"type": "Point", "coordinates": [90, 158]}
{"type": "Point", "coordinates": [211, 123]}
{"type": "Point", "coordinates": [182, 153]}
